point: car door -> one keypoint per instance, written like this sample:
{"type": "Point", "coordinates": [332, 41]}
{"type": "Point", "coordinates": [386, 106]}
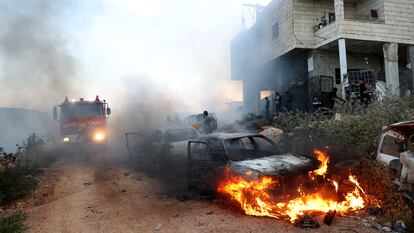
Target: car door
{"type": "Point", "coordinates": [204, 166]}
{"type": "Point", "coordinates": [156, 147]}
{"type": "Point", "coordinates": [136, 144]}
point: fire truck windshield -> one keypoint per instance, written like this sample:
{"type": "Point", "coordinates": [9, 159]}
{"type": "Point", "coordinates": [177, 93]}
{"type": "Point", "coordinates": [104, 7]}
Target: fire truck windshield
{"type": "Point", "coordinates": [75, 111]}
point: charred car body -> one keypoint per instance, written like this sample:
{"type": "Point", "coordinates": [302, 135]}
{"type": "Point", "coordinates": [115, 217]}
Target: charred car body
{"type": "Point", "coordinates": [165, 147]}
{"type": "Point", "coordinates": [242, 154]}
{"type": "Point", "coordinates": [396, 151]}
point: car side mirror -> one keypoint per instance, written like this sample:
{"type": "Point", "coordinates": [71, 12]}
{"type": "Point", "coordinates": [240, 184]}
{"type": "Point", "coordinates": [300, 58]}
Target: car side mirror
{"type": "Point", "coordinates": [108, 111]}
{"type": "Point", "coordinates": [55, 116]}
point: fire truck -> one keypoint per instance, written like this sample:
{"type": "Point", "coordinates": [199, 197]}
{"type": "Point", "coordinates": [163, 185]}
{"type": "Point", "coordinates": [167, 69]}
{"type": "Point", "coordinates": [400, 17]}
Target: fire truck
{"type": "Point", "coordinates": [82, 121]}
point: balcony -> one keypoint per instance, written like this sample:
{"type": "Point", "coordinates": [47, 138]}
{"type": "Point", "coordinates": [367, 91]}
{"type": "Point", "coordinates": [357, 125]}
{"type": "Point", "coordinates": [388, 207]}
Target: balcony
{"type": "Point", "coordinates": [364, 11]}
{"type": "Point", "coordinates": [371, 11]}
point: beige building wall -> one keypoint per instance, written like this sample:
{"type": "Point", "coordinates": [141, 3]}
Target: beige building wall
{"type": "Point", "coordinates": [281, 12]}
{"type": "Point", "coordinates": [363, 9]}
{"type": "Point", "coordinates": [297, 18]}
{"type": "Point", "coordinates": [398, 26]}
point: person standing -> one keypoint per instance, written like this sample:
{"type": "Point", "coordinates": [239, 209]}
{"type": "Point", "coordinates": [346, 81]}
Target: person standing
{"type": "Point", "coordinates": [332, 98]}
{"type": "Point", "coordinates": [363, 93]}
{"type": "Point", "coordinates": [207, 123]}
{"type": "Point", "coordinates": [278, 102]}
{"type": "Point", "coordinates": [288, 101]}
{"type": "Point", "coordinates": [267, 107]}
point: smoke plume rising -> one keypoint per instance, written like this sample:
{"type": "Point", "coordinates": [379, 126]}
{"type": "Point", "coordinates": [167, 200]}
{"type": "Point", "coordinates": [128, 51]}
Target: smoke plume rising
{"type": "Point", "coordinates": [37, 69]}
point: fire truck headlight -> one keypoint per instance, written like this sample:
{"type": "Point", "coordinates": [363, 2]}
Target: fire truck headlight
{"type": "Point", "coordinates": [99, 136]}
{"type": "Point", "coordinates": [66, 139]}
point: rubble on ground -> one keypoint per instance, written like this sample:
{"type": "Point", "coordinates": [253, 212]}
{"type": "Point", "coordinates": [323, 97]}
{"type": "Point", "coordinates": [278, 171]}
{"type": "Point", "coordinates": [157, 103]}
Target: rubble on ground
{"type": "Point", "coordinates": [273, 133]}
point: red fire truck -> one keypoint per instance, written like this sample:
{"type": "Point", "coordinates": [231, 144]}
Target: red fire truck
{"type": "Point", "coordinates": [83, 121]}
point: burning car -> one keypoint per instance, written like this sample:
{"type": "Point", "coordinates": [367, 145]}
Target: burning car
{"type": "Point", "coordinates": [245, 154]}
{"type": "Point", "coordinates": [166, 146]}
{"type": "Point", "coordinates": [396, 150]}
{"type": "Point", "coordinates": [264, 181]}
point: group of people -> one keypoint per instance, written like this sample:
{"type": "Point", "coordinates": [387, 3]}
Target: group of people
{"type": "Point", "coordinates": [281, 103]}
{"type": "Point", "coordinates": [365, 92]}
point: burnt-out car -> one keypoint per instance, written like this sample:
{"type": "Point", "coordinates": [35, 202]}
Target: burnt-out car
{"type": "Point", "coordinates": [243, 154]}
{"type": "Point", "coordinates": [396, 151]}
{"type": "Point", "coordinates": [164, 147]}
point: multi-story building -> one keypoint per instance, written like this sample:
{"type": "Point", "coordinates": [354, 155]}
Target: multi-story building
{"type": "Point", "coordinates": [294, 39]}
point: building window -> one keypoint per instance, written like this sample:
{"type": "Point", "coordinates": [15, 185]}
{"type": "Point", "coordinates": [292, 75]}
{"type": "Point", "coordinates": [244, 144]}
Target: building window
{"type": "Point", "coordinates": [275, 31]}
{"type": "Point", "coordinates": [331, 17]}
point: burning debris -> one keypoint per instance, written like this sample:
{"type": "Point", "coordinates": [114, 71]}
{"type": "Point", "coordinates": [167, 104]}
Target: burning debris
{"type": "Point", "coordinates": [316, 192]}
{"type": "Point", "coordinates": [306, 221]}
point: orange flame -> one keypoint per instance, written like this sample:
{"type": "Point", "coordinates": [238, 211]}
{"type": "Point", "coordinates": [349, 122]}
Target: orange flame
{"type": "Point", "coordinates": [324, 159]}
{"type": "Point", "coordinates": [258, 197]}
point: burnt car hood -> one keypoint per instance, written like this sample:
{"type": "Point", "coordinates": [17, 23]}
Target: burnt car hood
{"type": "Point", "coordinates": [405, 129]}
{"type": "Point", "coordinates": [276, 165]}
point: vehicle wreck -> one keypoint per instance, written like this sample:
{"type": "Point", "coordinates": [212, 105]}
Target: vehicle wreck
{"type": "Point", "coordinates": [241, 153]}
{"type": "Point", "coordinates": [165, 147]}
{"type": "Point", "coordinates": [396, 151]}
{"type": "Point", "coordinates": [254, 173]}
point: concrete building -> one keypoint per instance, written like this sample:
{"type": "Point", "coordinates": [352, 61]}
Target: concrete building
{"type": "Point", "coordinates": [295, 39]}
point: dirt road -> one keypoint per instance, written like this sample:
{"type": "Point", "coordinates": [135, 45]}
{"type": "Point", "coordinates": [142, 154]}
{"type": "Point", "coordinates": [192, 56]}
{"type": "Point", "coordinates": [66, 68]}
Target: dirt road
{"type": "Point", "coordinates": [102, 195]}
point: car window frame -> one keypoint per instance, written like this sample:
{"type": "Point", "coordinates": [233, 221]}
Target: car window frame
{"type": "Point", "coordinates": [277, 149]}
{"type": "Point", "coordinates": [385, 137]}
{"type": "Point", "coordinates": [193, 133]}
{"type": "Point", "coordinates": [210, 151]}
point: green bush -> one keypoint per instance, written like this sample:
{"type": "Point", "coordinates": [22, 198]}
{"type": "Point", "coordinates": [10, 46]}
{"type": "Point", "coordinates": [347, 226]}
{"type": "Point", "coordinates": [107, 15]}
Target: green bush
{"type": "Point", "coordinates": [12, 223]}
{"type": "Point", "coordinates": [18, 179]}
{"type": "Point", "coordinates": [16, 182]}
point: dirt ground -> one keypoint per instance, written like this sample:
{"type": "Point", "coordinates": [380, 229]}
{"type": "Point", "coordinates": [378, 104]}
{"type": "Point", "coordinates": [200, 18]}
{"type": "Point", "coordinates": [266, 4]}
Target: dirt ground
{"type": "Point", "coordinates": [104, 194]}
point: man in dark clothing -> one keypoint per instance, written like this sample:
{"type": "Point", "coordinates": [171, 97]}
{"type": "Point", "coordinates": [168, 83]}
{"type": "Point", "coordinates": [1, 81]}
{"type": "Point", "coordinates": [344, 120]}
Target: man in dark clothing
{"type": "Point", "coordinates": [278, 102]}
{"type": "Point", "coordinates": [332, 97]}
{"type": "Point", "coordinates": [267, 107]}
{"type": "Point", "coordinates": [363, 93]}
{"type": "Point", "coordinates": [207, 123]}
{"type": "Point", "coordinates": [288, 101]}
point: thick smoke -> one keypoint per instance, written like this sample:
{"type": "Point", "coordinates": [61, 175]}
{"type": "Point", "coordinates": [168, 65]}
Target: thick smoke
{"type": "Point", "coordinates": [37, 70]}
{"type": "Point", "coordinates": [141, 106]}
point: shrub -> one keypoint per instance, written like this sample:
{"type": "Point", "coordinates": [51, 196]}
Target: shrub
{"type": "Point", "coordinates": [12, 223]}
{"type": "Point", "coordinates": [16, 182]}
